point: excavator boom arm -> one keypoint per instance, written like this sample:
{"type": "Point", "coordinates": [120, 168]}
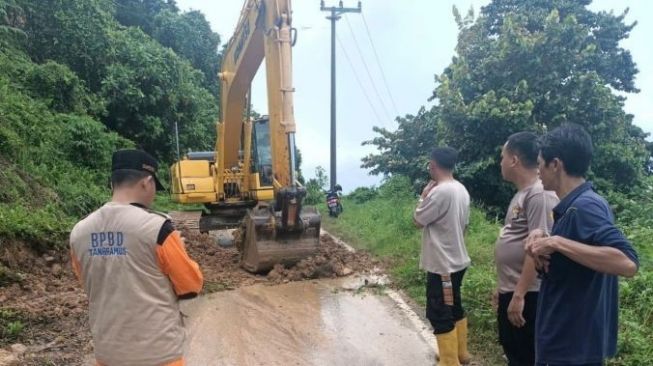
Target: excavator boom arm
{"type": "Point", "coordinates": [263, 32]}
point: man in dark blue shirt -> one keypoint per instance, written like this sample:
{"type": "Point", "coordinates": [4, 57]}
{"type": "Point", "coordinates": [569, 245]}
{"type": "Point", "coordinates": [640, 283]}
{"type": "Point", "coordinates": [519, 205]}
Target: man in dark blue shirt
{"type": "Point", "coordinates": [578, 304]}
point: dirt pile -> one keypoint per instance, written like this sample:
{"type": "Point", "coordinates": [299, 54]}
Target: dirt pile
{"type": "Point", "coordinates": [220, 266]}
{"type": "Point", "coordinates": [43, 307]}
{"type": "Point", "coordinates": [222, 271]}
{"type": "Point", "coordinates": [332, 260]}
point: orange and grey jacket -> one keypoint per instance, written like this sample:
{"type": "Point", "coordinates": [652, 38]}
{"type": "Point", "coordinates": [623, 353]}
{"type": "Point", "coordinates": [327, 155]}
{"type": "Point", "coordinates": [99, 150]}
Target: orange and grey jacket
{"type": "Point", "coordinates": [134, 268]}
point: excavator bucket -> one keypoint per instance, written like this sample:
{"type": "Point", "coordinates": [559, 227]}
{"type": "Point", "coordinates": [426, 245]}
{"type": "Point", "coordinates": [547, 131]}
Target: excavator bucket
{"type": "Point", "coordinates": [267, 243]}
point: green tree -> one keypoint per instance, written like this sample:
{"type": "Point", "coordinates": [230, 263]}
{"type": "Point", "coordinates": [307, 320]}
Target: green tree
{"type": "Point", "coordinates": [405, 151]}
{"type": "Point", "coordinates": [315, 187]}
{"type": "Point", "coordinates": [141, 13]}
{"type": "Point", "coordinates": [49, 161]}
{"type": "Point", "coordinates": [649, 165]}
{"type": "Point", "coordinates": [136, 86]}
{"type": "Point", "coordinates": [532, 65]}
{"type": "Point", "coordinates": [298, 166]}
{"type": "Point", "coordinates": [190, 36]}
{"type": "Point", "coordinates": [61, 89]}
{"type": "Point", "coordinates": [71, 32]}
{"type": "Point", "coordinates": [12, 19]}
{"type": "Point", "coordinates": [148, 88]}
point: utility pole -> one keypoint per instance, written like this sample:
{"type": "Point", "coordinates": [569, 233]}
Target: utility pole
{"type": "Point", "coordinates": [335, 11]}
{"type": "Point", "coordinates": [177, 140]}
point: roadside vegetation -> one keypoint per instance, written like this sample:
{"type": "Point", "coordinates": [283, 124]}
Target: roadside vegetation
{"type": "Point", "coordinates": [80, 79]}
{"type": "Point", "coordinates": [380, 221]}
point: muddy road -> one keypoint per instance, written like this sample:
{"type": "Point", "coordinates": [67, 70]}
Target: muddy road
{"type": "Point", "coordinates": [332, 309]}
{"type": "Point", "coordinates": [319, 322]}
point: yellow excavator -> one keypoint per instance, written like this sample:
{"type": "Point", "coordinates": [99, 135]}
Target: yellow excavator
{"type": "Point", "coordinates": [249, 182]}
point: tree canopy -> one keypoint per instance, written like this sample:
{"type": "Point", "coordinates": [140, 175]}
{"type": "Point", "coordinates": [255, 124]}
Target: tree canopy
{"type": "Point", "coordinates": [188, 34]}
{"type": "Point", "coordinates": [82, 78]}
{"type": "Point", "coordinates": [526, 65]}
{"type": "Point", "coordinates": [143, 86]}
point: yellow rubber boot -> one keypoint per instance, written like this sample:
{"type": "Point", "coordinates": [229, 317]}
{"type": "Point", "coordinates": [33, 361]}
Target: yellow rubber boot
{"type": "Point", "coordinates": [448, 348]}
{"type": "Point", "coordinates": [461, 330]}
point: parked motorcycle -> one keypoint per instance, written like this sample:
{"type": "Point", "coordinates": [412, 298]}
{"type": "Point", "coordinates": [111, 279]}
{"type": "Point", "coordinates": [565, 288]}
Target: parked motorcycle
{"type": "Point", "coordinates": [333, 201]}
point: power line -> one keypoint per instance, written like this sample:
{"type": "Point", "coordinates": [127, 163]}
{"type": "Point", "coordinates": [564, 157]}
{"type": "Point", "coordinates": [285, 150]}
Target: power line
{"type": "Point", "coordinates": [378, 61]}
{"type": "Point", "coordinates": [369, 101]}
{"type": "Point", "coordinates": [368, 70]}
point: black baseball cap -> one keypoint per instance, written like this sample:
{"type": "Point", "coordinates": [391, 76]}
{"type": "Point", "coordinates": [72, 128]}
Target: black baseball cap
{"type": "Point", "coordinates": [136, 160]}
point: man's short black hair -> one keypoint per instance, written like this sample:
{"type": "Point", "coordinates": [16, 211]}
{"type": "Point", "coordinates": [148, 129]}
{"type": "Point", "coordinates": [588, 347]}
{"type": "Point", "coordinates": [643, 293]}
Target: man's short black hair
{"type": "Point", "coordinates": [445, 157]}
{"type": "Point", "coordinates": [572, 145]}
{"type": "Point", "coordinates": [524, 145]}
{"type": "Point", "coordinates": [127, 177]}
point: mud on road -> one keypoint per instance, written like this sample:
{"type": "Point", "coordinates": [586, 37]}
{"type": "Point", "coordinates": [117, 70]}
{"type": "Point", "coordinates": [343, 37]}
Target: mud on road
{"type": "Point", "coordinates": [44, 298]}
{"type": "Point", "coordinates": [344, 321]}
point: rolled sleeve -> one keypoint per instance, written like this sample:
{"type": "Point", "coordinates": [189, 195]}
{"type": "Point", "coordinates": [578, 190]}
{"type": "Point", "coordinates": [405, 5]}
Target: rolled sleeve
{"type": "Point", "coordinates": [431, 208]}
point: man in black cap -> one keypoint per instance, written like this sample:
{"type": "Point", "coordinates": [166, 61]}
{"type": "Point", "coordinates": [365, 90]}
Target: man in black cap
{"type": "Point", "coordinates": [135, 164]}
{"type": "Point", "coordinates": [134, 268]}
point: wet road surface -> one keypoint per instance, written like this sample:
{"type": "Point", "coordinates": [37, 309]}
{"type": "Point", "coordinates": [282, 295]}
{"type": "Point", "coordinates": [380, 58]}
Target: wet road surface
{"type": "Point", "coordinates": [325, 322]}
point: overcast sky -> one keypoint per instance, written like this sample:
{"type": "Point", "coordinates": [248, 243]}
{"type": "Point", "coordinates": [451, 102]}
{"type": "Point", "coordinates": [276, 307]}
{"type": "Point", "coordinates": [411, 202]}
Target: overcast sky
{"type": "Point", "coordinates": [414, 39]}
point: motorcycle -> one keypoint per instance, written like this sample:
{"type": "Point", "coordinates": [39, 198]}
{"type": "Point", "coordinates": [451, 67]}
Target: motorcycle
{"type": "Point", "coordinates": [333, 201]}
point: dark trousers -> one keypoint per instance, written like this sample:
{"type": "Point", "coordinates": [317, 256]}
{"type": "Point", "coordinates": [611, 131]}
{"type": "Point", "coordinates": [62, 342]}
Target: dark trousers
{"type": "Point", "coordinates": [518, 343]}
{"type": "Point", "coordinates": [443, 317]}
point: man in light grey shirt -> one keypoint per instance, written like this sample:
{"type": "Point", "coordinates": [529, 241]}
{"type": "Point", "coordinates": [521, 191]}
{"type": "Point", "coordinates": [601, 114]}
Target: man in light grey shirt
{"type": "Point", "coordinates": [443, 215]}
{"type": "Point", "coordinates": [531, 208]}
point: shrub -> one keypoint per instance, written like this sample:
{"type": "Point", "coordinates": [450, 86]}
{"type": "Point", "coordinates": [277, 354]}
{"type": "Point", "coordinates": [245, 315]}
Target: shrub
{"type": "Point", "coordinates": [363, 194]}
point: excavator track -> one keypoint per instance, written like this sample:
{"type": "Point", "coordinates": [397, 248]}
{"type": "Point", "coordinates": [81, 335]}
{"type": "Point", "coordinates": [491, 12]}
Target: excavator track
{"type": "Point", "coordinates": [189, 220]}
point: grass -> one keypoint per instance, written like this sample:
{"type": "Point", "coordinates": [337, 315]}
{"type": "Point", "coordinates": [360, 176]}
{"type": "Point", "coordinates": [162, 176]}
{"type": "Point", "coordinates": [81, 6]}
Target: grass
{"type": "Point", "coordinates": [11, 326]}
{"type": "Point", "coordinates": [381, 222]}
{"type": "Point", "coordinates": [15, 328]}
{"type": "Point", "coordinates": [163, 203]}
{"type": "Point", "coordinates": [384, 226]}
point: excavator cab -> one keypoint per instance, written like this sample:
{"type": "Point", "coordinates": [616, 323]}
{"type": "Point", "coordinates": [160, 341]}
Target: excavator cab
{"type": "Point", "coordinates": [261, 152]}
